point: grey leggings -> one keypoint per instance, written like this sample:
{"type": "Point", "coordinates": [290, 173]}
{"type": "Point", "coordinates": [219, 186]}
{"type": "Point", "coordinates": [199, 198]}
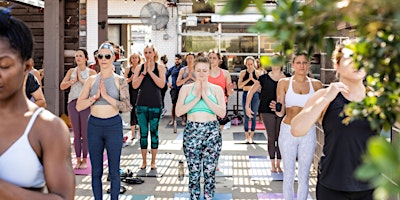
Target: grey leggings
{"type": "Point", "coordinates": [302, 147]}
{"type": "Point", "coordinates": [272, 124]}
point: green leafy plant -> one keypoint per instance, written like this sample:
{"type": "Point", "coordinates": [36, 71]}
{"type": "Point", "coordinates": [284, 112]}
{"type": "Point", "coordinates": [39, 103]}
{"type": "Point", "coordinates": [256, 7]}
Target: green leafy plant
{"type": "Point", "coordinates": [376, 23]}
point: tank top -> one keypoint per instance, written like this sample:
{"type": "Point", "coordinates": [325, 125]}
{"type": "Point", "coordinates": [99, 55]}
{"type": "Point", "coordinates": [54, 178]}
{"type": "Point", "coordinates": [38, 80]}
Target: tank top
{"type": "Point", "coordinates": [219, 80]}
{"type": "Point", "coordinates": [111, 88]}
{"type": "Point", "coordinates": [343, 148]}
{"type": "Point", "coordinates": [149, 93]}
{"type": "Point", "coordinates": [247, 75]}
{"type": "Point", "coordinates": [201, 105]}
{"type": "Point", "coordinates": [77, 87]}
{"type": "Point", "coordinates": [19, 164]}
{"type": "Point", "coordinates": [268, 92]}
{"type": "Point", "coordinates": [294, 99]}
{"type": "Point", "coordinates": [186, 74]}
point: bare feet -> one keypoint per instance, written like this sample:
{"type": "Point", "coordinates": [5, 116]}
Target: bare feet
{"type": "Point", "coordinates": [153, 166]}
{"type": "Point", "coordinates": [279, 170]}
{"type": "Point", "coordinates": [171, 123]}
{"type": "Point", "coordinates": [274, 170]}
{"type": "Point", "coordinates": [251, 141]}
{"type": "Point", "coordinates": [83, 165]}
{"type": "Point", "coordinates": [78, 163]}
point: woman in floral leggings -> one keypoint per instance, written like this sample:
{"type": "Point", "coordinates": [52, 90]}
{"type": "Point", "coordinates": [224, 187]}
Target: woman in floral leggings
{"type": "Point", "coordinates": [203, 102]}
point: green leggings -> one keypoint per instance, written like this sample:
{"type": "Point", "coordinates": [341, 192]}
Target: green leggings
{"type": "Point", "coordinates": [148, 116]}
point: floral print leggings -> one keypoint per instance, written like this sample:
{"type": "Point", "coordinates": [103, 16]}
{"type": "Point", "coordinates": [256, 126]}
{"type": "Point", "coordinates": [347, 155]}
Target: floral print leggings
{"type": "Point", "coordinates": [202, 144]}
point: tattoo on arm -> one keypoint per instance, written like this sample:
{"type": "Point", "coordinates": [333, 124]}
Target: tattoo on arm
{"type": "Point", "coordinates": [123, 104]}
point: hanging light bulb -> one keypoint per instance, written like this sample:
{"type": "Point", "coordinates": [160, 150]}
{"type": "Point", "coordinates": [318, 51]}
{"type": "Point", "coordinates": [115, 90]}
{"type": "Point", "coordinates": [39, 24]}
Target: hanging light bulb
{"type": "Point", "coordinates": [126, 1]}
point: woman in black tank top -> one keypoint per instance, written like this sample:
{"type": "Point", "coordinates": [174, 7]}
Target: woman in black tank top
{"type": "Point", "coordinates": [134, 60]}
{"type": "Point", "coordinates": [149, 78]}
{"type": "Point", "coordinates": [344, 144]}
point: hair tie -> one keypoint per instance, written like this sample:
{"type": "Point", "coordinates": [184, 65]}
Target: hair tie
{"type": "Point", "coordinates": [5, 16]}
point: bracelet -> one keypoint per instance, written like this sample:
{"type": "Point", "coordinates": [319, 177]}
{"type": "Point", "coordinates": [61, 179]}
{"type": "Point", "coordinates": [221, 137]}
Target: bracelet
{"type": "Point", "coordinates": [95, 98]}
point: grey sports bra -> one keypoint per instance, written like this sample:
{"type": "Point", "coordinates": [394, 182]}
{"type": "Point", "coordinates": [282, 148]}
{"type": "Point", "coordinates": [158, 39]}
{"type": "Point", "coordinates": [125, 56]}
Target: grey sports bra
{"type": "Point", "coordinates": [111, 88]}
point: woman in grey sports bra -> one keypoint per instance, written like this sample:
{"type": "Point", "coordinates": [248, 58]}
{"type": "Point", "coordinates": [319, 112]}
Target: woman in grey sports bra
{"type": "Point", "coordinates": [106, 94]}
{"type": "Point", "coordinates": [292, 93]}
{"type": "Point", "coordinates": [35, 147]}
{"type": "Point", "coordinates": [186, 75]}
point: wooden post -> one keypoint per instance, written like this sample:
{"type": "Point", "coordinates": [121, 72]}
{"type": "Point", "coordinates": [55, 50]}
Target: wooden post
{"type": "Point", "coordinates": [102, 20]}
{"type": "Point", "coordinates": [53, 53]}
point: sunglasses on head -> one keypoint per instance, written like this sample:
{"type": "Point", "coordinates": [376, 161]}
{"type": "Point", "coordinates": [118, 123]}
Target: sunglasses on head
{"type": "Point", "coordinates": [107, 56]}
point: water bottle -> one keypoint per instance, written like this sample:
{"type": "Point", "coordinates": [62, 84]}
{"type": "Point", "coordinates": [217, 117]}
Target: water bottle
{"type": "Point", "coordinates": [181, 170]}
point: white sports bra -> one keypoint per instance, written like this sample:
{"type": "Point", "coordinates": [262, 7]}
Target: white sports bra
{"type": "Point", "coordinates": [19, 164]}
{"type": "Point", "coordinates": [294, 99]}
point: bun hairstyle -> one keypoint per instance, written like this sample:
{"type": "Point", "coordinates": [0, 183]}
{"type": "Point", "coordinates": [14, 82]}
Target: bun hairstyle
{"type": "Point", "coordinates": [16, 33]}
{"type": "Point", "coordinates": [164, 59]}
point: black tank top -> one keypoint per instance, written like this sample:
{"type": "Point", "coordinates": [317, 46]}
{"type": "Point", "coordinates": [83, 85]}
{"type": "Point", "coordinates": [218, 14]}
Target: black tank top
{"type": "Point", "coordinates": [149, 92]}
{"type": "Point", "coordinates": [268, 92]}
{"type": "Point", "coordinates": [246, 76]}
{"type": "Point", "coordinates": [343, 148]}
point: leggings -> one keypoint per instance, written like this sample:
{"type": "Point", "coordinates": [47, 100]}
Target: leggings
{"type": "Point", "coordinates": [105, 133]}
{"type": "Point", "coordinates": [148, 116]}
{"type": "Point", "coordinates": [302, 147]}
{"type": "Point", "coordinates": [202, 143]}
{"type": "Point", "coordinates": [79, 122]}
{"type": "Point", "coordinates": [272, 124]}
{"type": "Point", "coordinates": [325, 193]}
{"type": "Point", "coordinates": [254, 107]}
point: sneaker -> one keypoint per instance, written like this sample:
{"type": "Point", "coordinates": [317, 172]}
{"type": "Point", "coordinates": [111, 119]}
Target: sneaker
{"type": "Point", "coordinates": [163, 112]}
{"type": "Point", "coordinates": [126, 126]}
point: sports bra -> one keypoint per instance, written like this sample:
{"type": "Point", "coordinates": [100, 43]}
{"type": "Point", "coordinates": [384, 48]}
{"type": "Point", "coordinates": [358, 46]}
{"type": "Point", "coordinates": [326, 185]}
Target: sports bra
{"type": "Point", "coordinates": [19, 164]}
{"type": "Point", "coordinates": [111, 88]}
{"type": "Point", "coordinates": [294, 99]}
{"type": "Point", "coordinates": [201, 105]}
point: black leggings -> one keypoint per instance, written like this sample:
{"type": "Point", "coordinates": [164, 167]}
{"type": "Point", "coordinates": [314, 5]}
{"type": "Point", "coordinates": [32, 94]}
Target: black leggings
{"type": "Point", "coordinates": [272, 124]}
{"type": "Point", "coordinates": [325, 193]}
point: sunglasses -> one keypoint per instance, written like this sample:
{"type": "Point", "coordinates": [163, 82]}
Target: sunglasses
{"type": "Point", "coordinates": [107, 56]}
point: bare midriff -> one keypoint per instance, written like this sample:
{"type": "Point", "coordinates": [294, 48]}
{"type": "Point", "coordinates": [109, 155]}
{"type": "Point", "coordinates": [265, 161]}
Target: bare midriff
{"type": "Point", "coordinates": [201, 117]}
{"type": "Point", "coordinates": [291, 112]}
{"type": "Point", "coordinates": [103, 111]}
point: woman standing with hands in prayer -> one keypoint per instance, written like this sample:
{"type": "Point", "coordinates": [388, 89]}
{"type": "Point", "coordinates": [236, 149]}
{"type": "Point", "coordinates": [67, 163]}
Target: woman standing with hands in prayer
{"type": "Point", "coordinates": [106, 94]}
{"type": "Point", "coordinates": [202, 141]}
{"type": "Point", "coordinates": [247, 78]}
{"type": "Point", "coordinates": [149, 78]}
{"type": "Point", "coordinates": [75, 79]}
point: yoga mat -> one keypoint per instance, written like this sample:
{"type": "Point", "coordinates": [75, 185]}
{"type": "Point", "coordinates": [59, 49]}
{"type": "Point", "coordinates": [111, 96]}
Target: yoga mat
{"type": "Point", "coordinates": [239, 137]}
{"type": "Point", "coordinates": [259, 125]}
{"type": "Point", "coordinates": [87, 170]}
{"type": "Point", "coordinates": [163, 161]}
{"type": "Point", "coordinates": [131, 197]}
{"type": "Point", "coordinates": [276, 196]}
{"type": "Point", "coordinates": [217, 196]}
{"type": "Point", "coordinates": [260, 169]}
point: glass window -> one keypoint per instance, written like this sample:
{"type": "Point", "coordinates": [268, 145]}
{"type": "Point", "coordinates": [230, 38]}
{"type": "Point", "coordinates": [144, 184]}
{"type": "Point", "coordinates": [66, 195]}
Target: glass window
{"type": "Point", "coordinates": [199, 43]}
{"type": "Point", "coordinates": [266, 44]}
{"type": "Point", "coordinates": [239, 44]}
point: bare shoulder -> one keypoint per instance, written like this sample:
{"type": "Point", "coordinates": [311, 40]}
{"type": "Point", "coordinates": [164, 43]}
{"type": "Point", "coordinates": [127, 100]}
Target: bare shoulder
{"type": "Point", "coordinates": [51, 128]}
{"type": "Point", "coordinates": [161, 66]}
{"type": "Point", "coordinates": [216, 87]}
{"type": "Point", "coordinates": [284, 81]}
{"type": "Point", "coordinates": [92, 72]}
{"type": "Point", "coordinates": [317, 84]}
{"type": "Point", "coordinates": [226, 72]}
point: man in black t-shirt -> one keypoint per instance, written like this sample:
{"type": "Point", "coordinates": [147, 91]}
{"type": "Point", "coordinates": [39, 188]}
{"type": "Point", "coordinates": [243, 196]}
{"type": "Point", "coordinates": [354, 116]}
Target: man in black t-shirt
{"type": "Point", "coordinates": [34, 92]}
